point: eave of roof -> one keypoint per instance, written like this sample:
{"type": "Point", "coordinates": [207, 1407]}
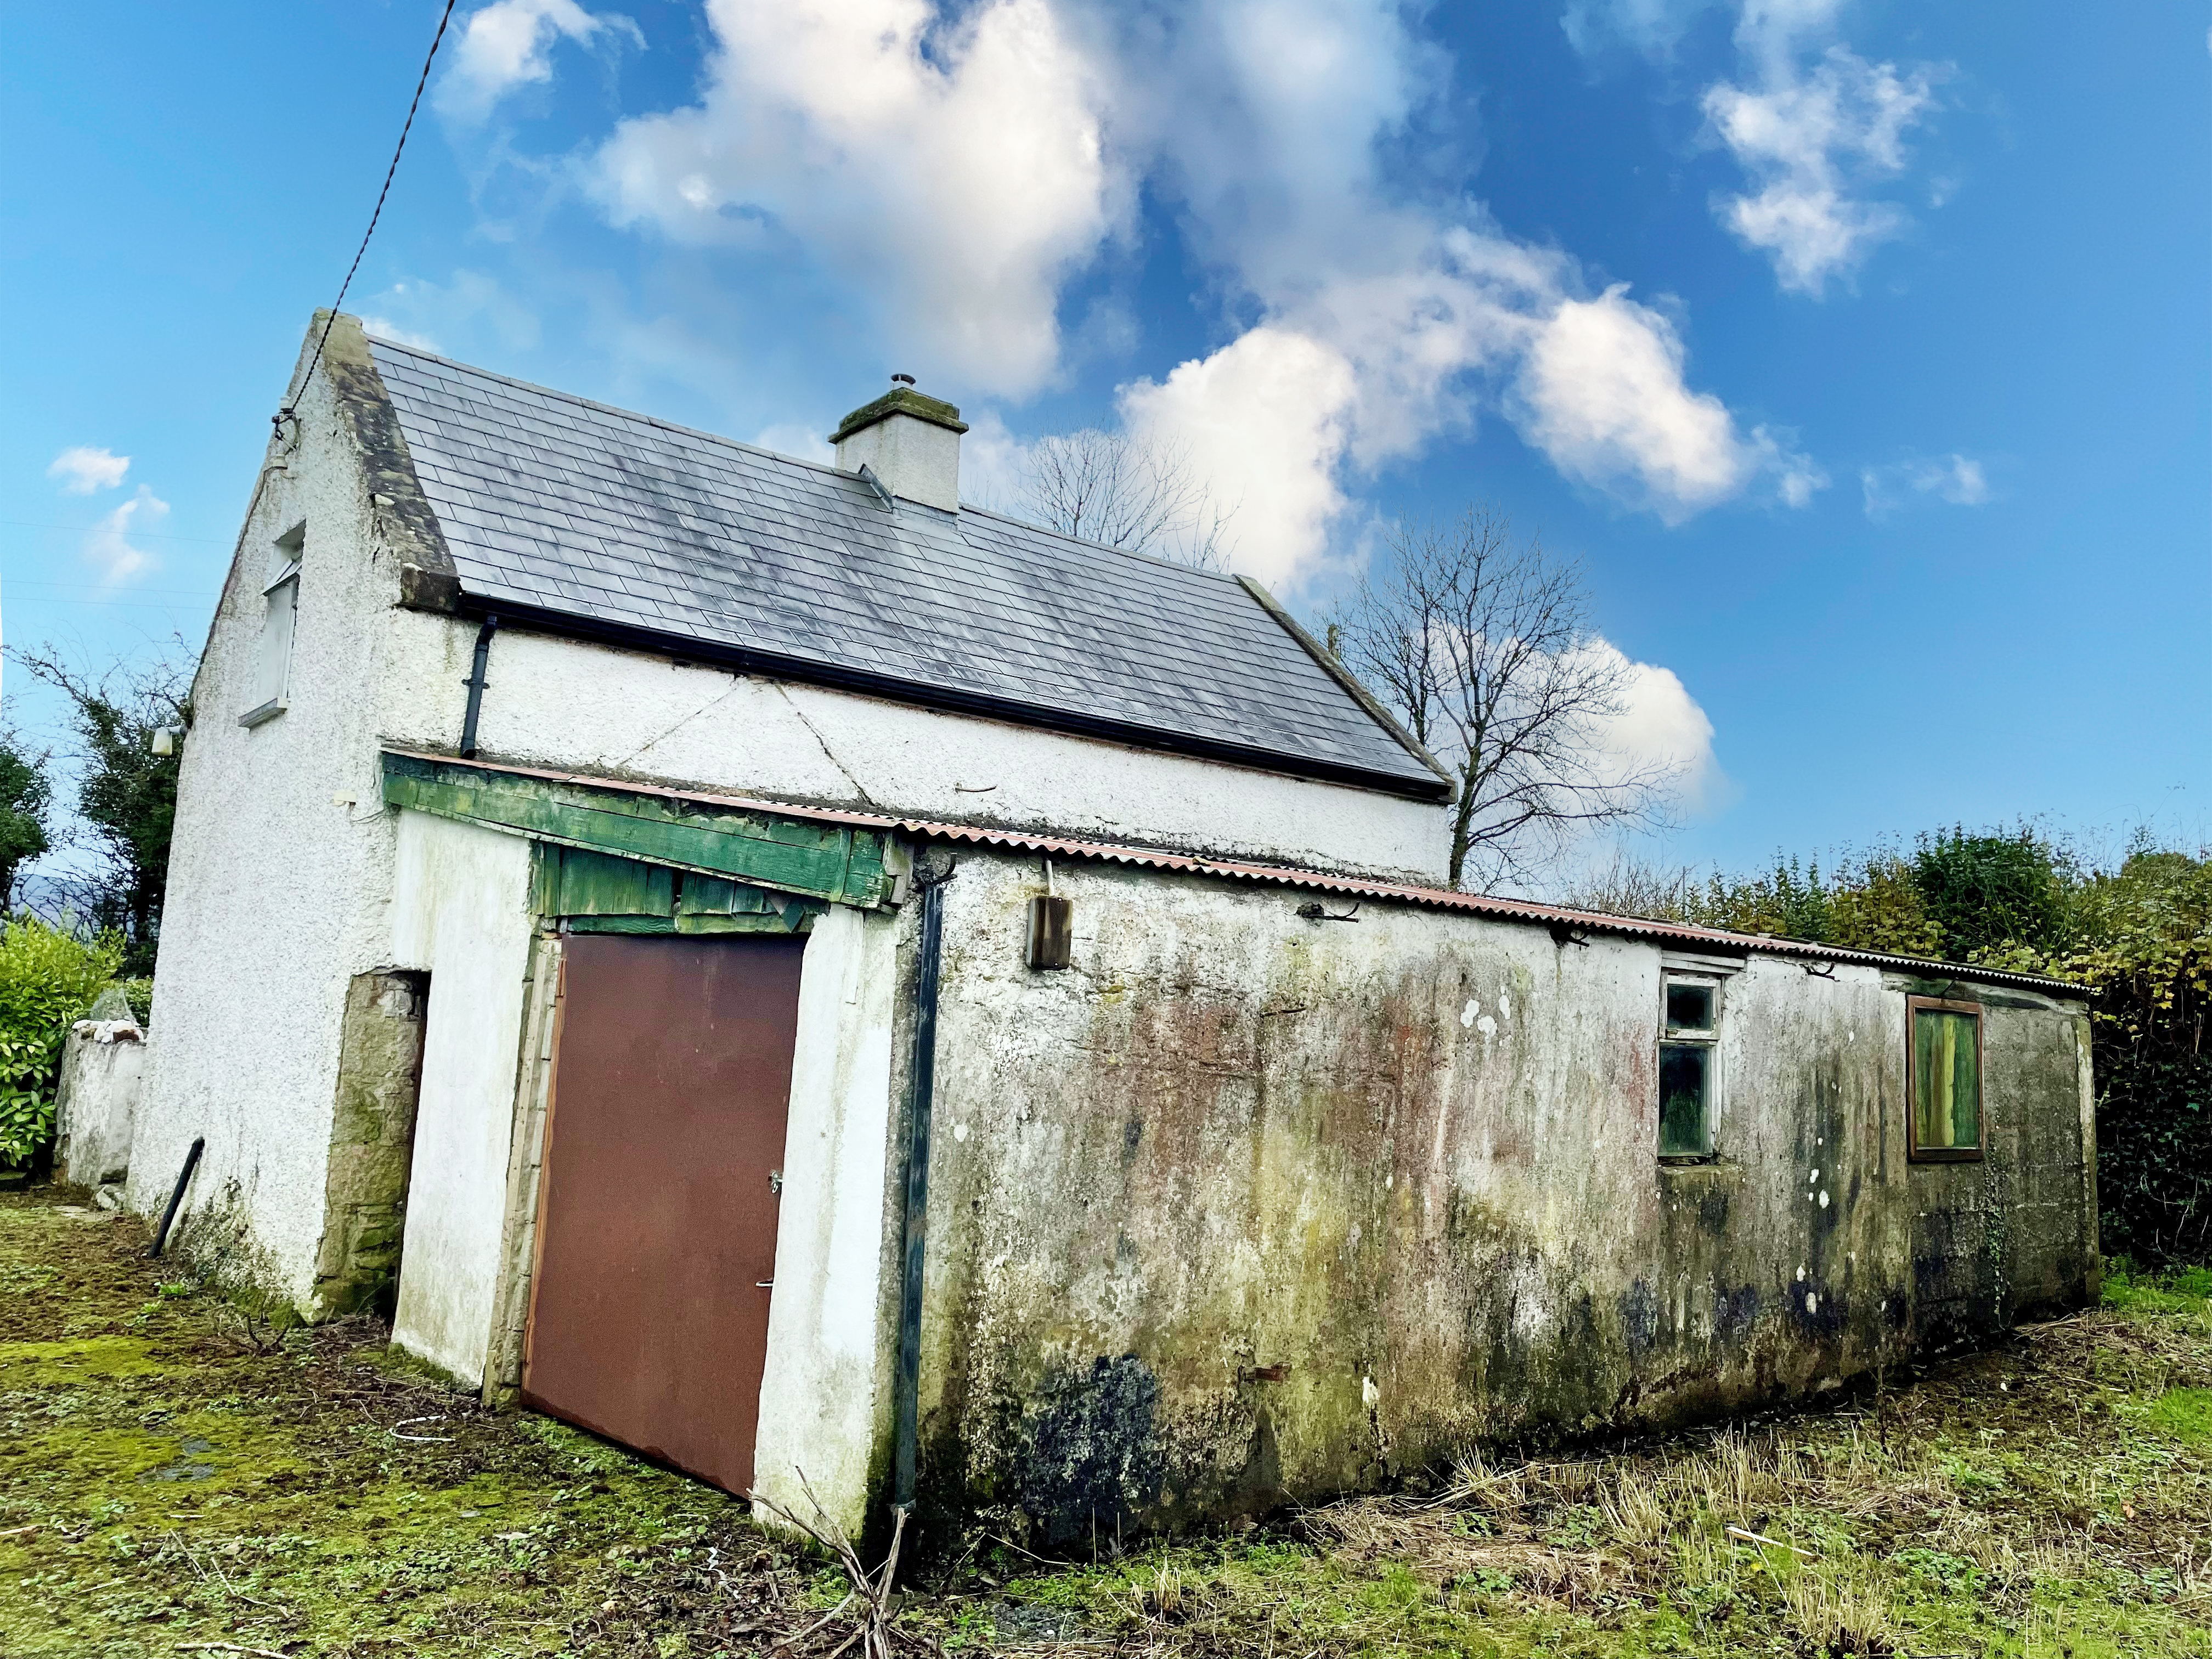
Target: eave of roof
{"type": "Point", "coordinates": [1552, 916]}
{"type": "Point", "coordinates": [1429, 785]}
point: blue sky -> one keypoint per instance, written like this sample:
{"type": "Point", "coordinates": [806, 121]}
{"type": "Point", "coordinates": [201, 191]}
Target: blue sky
{"type": "Point", "coordinates": [1860, 350]}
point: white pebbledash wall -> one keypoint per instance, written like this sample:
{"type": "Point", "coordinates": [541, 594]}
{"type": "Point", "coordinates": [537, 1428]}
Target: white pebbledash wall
{"type": "Point", "coordinates": [288, 876]}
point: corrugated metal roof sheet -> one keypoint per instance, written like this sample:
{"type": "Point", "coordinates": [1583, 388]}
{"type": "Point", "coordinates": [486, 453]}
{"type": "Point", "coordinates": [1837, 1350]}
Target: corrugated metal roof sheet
{"type": "Point", "coordinates": [1319, 881]}
{"type": "Point", "coordinates": [564, 509]}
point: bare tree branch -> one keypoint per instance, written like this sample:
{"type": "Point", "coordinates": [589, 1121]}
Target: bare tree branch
{"type": "Point", "coordinates": [1483, 647]}
{"type": "Point", "coordinates": [1127, 492]}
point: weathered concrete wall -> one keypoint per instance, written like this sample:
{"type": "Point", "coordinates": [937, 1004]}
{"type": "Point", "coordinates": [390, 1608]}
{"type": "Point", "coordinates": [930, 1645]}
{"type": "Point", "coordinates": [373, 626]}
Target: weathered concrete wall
{"type": "Point", "coordinates": [460, 910]}
{"type": "Point", "coordinates": [96, 1104]}
{"type": "Point", "coordinates": [1245, 1208]}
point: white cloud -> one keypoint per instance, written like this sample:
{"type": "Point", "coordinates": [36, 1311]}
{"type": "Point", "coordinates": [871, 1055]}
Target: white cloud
{"type": "Point", "coordinates": [954, 167]}
{"type": "Point", "coordinates": [1651, 27]}
{"type": "Point", "coordinates": [1368, 371]}
{"type": "Point", "coordinates": [1955, 478]}
{"type": "Point", "coordinates": [1809, 141]}
{"type": "Point", "coordinates": [801, 439]}
{"type": "Point", "coordinates": [1265, 421]}
{"type": "Point", "coordinates": [1606, 401]}
{"type": "Point", "coordinates": [385, 329]}
{"type": "Point", "coordinates": [993, 463]}
{"type": "Point", "coordinates": [83, 470]}
{"type": "Point", "coordinates": [108, 547]}
{"type": "Point", "coordinates": [1662, 728]}
{"type": "Point", "coordinates": [1812, 140]}
{"type": "Point", "coordinates": [505, 46]}
{"type": "Point", "coordinates": [953, 171]}
{"type": "Point", "coordinates": [421, 314]}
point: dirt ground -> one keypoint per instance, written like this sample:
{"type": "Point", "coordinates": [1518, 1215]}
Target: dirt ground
{"type": "Point", "coordinates": [178, 1475]}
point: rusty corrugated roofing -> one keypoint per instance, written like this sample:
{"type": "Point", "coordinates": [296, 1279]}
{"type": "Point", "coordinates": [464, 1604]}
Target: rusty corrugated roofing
{"type": "Point", "coordinates": [1318, 881]}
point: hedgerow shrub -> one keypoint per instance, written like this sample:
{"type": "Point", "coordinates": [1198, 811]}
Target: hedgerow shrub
{"type": "Point", "coordinates": [2144, 950]}
{"type": "Point", "coordinates": [48, 979]}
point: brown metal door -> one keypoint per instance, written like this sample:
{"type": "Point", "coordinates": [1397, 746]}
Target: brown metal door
{"type": "Point", "coordinates": [656, 1235]}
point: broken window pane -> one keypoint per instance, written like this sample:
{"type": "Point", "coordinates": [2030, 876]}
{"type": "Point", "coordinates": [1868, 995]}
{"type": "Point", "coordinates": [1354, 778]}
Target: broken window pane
{"type": "Point", "coordinates": [1685, 1096]}
{"type": "Point", "coordinates": [1689, 1007]}
{"type": "Point", "coordinates": [1947, 1081]}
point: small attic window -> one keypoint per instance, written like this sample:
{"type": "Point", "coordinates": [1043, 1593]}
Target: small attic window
{"type": "Point", "coordinates": [279, 600]}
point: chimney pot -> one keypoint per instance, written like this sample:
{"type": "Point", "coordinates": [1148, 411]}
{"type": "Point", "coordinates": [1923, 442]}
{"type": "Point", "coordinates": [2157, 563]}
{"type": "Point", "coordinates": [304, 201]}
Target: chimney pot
{"type": "Point", "coordinates": [910, 440]}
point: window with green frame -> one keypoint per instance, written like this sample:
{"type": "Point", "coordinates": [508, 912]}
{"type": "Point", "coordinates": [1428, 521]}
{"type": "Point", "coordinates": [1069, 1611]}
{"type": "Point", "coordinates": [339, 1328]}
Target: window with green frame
{"type": "Point", "coordinates": [1943, 1062]}
{"type": "Point", "coordinates": [1689, 1067]}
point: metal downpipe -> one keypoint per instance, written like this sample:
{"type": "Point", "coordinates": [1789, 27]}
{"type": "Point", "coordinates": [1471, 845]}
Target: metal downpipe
{"type": "Point", "coordinates": [921, 1085]}
{"type": "Point", "coordinates": [476, 683]}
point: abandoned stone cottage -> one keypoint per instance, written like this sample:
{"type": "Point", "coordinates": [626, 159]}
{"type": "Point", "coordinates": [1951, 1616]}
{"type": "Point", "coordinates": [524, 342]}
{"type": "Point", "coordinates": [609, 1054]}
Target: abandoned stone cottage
{"type": "Point", "coordinates": [794, 973]}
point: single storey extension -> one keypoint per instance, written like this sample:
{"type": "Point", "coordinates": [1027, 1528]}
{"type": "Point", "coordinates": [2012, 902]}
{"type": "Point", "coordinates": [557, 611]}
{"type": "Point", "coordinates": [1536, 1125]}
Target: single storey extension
{"type": "Point", "coordinates": [794, 973]}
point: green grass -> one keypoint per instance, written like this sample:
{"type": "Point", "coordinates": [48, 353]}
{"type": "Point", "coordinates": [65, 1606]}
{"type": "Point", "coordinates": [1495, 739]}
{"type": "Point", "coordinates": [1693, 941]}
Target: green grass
{"type": "Point", "coordinates": [162, 1484]}
{"type": "Point", "coordinates": [2187, 1291]}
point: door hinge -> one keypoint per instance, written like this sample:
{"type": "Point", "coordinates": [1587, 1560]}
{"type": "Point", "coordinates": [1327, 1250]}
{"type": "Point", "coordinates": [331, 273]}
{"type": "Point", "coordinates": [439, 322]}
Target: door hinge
{"type": "Point", "coordinates": [775, 1181]}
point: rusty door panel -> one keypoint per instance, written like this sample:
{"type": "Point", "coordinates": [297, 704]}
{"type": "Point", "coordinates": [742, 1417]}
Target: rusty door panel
{"type": "Point", "coordinates": [649, 1318]}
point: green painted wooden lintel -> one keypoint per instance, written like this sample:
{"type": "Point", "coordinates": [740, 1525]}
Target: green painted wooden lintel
{"type": "Point", "coordinates": [839, 863]}
{"type": "Point", "coordinates": [692, 925]}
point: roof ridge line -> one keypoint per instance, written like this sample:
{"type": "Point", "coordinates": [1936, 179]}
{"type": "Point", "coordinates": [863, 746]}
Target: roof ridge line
{"type": "Point", "coordinates": [778, 455]}
{"type": "Point", "coordinates": [613, 409]}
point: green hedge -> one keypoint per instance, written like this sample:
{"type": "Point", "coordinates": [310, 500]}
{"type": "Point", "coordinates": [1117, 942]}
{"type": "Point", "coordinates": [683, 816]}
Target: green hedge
{"type": "Point", "coordinates": [48, 980]}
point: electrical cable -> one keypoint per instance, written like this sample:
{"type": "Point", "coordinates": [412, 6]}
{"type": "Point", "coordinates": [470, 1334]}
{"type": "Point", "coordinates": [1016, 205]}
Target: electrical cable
{"type": "Point", "coordinates": [413, 104]}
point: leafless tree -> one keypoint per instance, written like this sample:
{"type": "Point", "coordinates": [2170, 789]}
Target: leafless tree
{"type": "Point", "coordinates": [1629, 886]}
{"type": "Point", "coordinates": [1128, 492]}
{"type": "Point", "coordinates": [1483, 647]}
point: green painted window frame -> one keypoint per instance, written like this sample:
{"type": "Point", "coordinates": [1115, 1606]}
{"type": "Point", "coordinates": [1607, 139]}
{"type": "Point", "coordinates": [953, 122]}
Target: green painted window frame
{"type": "Point", "coordinates": [1706, 1040]}
{"type": "Point", "coordinates": [1944, 1008]}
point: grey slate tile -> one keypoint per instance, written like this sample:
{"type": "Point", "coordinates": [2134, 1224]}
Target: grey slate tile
{"type": "Point", "coordinates": [552, 502]}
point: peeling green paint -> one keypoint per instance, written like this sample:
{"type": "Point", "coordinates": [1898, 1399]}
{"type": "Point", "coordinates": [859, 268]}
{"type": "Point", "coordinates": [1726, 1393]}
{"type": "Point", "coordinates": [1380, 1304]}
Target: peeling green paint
{"type": "Point", "coordinates": [843, 864]}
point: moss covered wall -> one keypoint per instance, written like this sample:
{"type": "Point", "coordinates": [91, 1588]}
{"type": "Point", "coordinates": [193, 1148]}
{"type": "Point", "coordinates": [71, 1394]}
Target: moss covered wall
{"type": "Point", "coordinates": [1245, 1207]}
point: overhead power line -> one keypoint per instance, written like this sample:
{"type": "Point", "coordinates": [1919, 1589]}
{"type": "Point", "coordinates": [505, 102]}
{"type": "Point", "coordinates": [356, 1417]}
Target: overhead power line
{"type": "Point", "coordinates": [407, 126]}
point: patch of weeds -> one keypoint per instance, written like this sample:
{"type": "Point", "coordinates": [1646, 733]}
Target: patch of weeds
{"type": "Point", "coordinates": [1969, 1477]}
{"type": "Point", "coordinates": [1577, 1527]}
{"type": "Point", "coordinates": [1484, 1581]}
{"type": "Point", "coordinates": [2184, 1291]}
{"type": "Point", "coordinates": [1952, 1574]}
{"type": "Point", "coordinates": [2184, 1413]}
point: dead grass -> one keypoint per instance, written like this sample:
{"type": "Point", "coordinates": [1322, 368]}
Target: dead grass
{"type": "Point", "coordinates": [2022, 1501]}
{"type": "Point", "coordinates": [166, 1486]}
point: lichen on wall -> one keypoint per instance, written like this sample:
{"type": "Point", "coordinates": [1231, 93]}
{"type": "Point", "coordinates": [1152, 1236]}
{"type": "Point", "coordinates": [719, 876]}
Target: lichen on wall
{"type": "Point", "coordinates": [1246, 1208]}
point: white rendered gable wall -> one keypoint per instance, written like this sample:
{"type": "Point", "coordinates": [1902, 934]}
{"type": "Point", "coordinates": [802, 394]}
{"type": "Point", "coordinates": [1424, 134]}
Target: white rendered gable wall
{"type": "Point", "coordinates": [283, 876]}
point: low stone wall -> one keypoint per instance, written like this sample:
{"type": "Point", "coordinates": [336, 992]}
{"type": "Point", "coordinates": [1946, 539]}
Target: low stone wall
{"type": "Point", "coordinates": [103, 1062]}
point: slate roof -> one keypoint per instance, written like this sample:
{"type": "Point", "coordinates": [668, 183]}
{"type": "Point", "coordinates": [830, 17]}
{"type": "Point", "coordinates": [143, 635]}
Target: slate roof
{"type": "Point", "coordinates": [599, 520]}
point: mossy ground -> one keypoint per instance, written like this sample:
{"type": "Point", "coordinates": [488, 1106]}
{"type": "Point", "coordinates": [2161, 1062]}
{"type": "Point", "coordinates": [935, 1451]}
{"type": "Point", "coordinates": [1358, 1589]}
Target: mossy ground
{"type": "Point", "coordinates": [170, 1476]}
